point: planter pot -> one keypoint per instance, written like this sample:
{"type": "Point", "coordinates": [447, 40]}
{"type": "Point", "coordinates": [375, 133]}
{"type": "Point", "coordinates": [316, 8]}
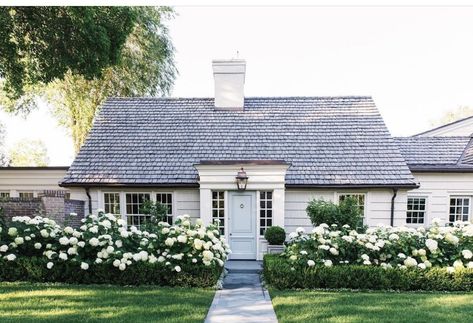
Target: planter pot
{"type": "Point", "coordinates": [275, 248]}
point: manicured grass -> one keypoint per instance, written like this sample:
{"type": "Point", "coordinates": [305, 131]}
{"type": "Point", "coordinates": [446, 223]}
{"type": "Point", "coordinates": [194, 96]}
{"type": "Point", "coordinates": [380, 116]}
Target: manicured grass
{"type": "Point", "coordinates": [25, 302]}
{"type": "Point", "coordinates": [321, 306]}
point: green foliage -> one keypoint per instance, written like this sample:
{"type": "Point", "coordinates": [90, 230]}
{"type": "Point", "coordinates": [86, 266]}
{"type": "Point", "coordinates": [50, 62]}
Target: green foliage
{"type": "Point", "coordinates": [454, 115]}
{"type": "Point", "coordinates": [275, 235]}
{"type": "Point", "coordinates": [345, 213]}
{"type": "Point", "coordinates": [41, 44]}
{"type": "Point", "coordinates": [33, 269]}
{"type": "Point", "coordinates": [157, 211]}
{"type": "Point", "coordinates": [280, 274]}
{"type": "Point", "coordinates": [29, 153]}
{"type": "Point", "coordinates": [146, 69]}
{"type": "Point", "coordinates": [4, 160]}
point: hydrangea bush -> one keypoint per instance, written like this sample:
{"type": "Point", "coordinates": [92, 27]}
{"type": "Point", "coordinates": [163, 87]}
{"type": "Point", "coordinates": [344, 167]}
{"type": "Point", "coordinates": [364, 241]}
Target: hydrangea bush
{"type": "Point", "coordinates": [388, 247]}
{"type": "Point", "coordinates": [104, 240]}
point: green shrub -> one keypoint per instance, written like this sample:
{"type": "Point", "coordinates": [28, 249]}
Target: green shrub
{"type": "Point", "coordinates": [275, 235]}
{"type": "Point", "coordinates": [279, 273]}
{"type": "Point", "coordinates": [346, 212]}
{"type": "Point", "coordinates": [34, 269]}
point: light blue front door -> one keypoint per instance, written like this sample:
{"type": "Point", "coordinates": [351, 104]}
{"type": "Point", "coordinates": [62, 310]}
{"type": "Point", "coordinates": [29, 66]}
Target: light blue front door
{"type": "Point", "coordinates": [242, 217]}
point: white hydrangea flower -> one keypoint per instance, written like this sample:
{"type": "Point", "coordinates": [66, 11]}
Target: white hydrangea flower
{"type": "Point", "coordinates": [64, 241]}
{"type": "Point", "coordinates": [11, 257]}
{"type": "Point", "coordinates": [310, 263]}
{"type": "Point", "coordinates": [177, 269]}
{"type": "Point", "coordinates": [12, 231]}
{"type": "Point", "coordinates": [431, 244]}
{"type": "Point", "coordinates": [68, 230]}
{"type": "Point", "coordinates": [328, 263]}
{"type": "Point", "coordinates": [84, 266]}
{"type": "Point", "coordinates": [467, 254]}
{"type": "Point", "coordinates": [49, 265]}
{"type": "Point", "coordinates": [19, 240]}
{"type": "Point", "coordinates": [410, 262]}
{"type": "Point", "coordinates": [4, 248]}
{"type": "Point", "coordinates": [94, 242]}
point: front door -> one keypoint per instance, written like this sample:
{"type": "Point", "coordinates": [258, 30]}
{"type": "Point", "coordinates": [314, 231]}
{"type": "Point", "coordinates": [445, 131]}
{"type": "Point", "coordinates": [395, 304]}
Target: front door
{"type": "Point", "coordinates": [242, 218]}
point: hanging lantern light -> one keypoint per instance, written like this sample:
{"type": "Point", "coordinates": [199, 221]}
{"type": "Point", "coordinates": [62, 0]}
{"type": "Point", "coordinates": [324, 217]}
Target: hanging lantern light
{"type": "Point", "coordinates": [241, 180]}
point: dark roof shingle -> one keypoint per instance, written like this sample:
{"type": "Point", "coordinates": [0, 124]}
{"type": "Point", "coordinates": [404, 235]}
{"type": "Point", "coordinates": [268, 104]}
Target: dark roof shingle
{"type": "Point", "coordinates": [436, 152]}
{"type": "Point", "coordinates": [156, 141]}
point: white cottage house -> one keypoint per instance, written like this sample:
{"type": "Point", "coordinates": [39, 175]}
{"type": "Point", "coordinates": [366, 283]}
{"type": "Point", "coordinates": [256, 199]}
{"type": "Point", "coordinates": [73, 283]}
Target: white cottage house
{"type": "Point", "coordinates": [187, 152]}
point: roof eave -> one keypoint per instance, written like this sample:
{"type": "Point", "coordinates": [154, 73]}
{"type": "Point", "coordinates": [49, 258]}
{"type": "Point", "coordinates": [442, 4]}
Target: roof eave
{"type": "Point", "coordinates": [135, 185]}
{"type": "Point", "coordinates": [354, 186]}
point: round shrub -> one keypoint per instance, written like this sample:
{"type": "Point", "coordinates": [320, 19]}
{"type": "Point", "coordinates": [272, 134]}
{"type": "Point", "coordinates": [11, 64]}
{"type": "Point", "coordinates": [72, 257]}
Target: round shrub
{"type": "Point", "coordinates": [275, 235]}
{"type": "Point", "coordinates": [345, 213]}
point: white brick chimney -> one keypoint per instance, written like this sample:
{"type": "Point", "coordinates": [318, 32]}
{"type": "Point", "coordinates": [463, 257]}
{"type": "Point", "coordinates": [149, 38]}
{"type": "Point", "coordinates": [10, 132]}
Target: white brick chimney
{"type": "Point", "coordinates": [229, 77]}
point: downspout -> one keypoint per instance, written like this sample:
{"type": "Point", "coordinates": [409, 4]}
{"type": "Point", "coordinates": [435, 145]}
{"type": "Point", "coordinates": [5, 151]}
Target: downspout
{"type": "Point", "coordinates": [392, 205]}
{"type": "Point", "coordinates": [90, 199]}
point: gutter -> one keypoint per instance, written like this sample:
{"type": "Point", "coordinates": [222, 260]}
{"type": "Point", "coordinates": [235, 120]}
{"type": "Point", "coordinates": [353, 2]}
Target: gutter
{"type": "Point", "coordinates": [87, 191]}
{"type": "Point", "coordinates": [392, 205]}
{"type": "Point", "coordinates": [353, 186]}
{"type": "Point", "coordinates": [136, 185]}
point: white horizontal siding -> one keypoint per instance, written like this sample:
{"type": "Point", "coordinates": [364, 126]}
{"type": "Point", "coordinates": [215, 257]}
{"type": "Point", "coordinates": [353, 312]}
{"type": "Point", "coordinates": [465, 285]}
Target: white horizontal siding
{"type": "Point", "coordinates": [188, 202]}
{"type": "Point", "coordinates": [438, 187]}
{"type": "Point", "coordinates": [377, 206]}
{"type": "Point", "coordinates": [30, 180]}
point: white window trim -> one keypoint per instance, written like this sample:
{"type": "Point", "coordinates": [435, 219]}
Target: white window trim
{"type": "Point", "coordinates": [258, 209]}
{"type": "Point", "coordinates": [426, 211]}
{"type": "Point", "coordinates": [173, 203]}
{"type": "Point", "coordinates": [459, 197]}
{"type": "Point", "coordinates": [102, 195]}
{"type": "Point", "coordinates": [365, 204]}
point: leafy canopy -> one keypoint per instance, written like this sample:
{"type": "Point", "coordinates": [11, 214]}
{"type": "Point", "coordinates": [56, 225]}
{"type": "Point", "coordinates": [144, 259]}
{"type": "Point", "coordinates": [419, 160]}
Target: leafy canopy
{"type": "Point", "coordinates": [346, 212]}
{"type": "Point", "coordinates": [41, 44]}
{"type": "Point", "coordinates": [29, 153]}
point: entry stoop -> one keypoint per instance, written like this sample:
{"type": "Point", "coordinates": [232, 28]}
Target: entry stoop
{"type": "Point", "coordinates": [244, 266]}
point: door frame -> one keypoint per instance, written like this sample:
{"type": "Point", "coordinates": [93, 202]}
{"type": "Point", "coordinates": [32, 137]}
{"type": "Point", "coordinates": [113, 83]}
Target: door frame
{"type": "Point", "coordinates": [228, 206]}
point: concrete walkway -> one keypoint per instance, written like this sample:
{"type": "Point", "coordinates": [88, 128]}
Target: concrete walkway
{"type": "Point", "coordinates": [242, 298]}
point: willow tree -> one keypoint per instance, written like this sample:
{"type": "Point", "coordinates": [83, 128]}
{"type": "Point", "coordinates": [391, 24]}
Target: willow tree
{"type": "Point", "coordinates": [40, 44]}
{"type": "Point", "coordinates": [146, 68]}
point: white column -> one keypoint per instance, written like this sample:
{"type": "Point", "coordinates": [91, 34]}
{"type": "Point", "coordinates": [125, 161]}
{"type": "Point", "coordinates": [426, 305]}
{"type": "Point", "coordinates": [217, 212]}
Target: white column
{"type": "Point", "coordinates": [278, 206]}
{"type": "Point", "coordinates": [206, 205]}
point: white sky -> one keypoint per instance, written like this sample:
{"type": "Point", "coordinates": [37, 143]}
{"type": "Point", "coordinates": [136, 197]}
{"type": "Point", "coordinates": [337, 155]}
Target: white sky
{"type": "Point", "coordinates": [416, 62]}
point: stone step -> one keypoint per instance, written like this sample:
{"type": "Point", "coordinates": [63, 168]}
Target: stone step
{"type": "Point", "coordinates": [243, 267]}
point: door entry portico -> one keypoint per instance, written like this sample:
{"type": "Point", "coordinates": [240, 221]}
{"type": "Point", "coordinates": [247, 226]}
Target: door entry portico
{"type": "Point", "coordinates": [242, 217]}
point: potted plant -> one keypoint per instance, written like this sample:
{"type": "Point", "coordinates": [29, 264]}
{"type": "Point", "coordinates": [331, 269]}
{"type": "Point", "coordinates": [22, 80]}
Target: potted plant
{"type": "Point", "coordinates": [275, 237]}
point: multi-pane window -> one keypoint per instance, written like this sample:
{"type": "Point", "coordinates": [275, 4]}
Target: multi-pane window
{"type": "Point", "coordinates": [166, 200]}
{"type": "Point", "coordinates": [4, 195]}
{"type": "Point", "coordinates": [218, 210]}
{"type": "Point", "coordinates": [415, 210]}
{"type": "Point", "coordinates": [266, 211]}
{"type": "Point", "coordinates": [134, 204]}
{"type": "Point", "coordinates": [459, 208]}
{"type": "Point", "coordinates": [26, 195]}
{"type": "Point", "coordinates": [111, 203]}
{"type": "Point", "coordinates": [360, 200]}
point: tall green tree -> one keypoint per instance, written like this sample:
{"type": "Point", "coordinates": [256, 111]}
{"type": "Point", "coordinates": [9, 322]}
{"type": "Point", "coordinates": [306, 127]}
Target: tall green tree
{"type": "Point", "coordinates": [4, 160]}
{"type": "Point", "coordinates": [41, 44]}
{"type": "Point", "coordinates": [29, 153]}
{"type": "Point", "coordinates": [146, 68]}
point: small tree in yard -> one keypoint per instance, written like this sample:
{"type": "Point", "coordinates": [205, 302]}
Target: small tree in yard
{"type": "Point", "coordinates": [346, 212]}
{"type": "Point", "coordinates": [156, 210]}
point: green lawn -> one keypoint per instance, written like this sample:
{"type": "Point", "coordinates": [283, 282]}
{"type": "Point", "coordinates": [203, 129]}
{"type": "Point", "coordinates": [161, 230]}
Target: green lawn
{"type": "Point", "coordinates": [320, 306]}
{"type": "Point", "coordinates": [23, 302]}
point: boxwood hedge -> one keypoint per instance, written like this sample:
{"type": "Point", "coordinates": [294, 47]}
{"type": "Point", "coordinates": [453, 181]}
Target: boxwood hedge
{"type": "Point", "coordinates": [279, 274]}
{"type": "Point", "coordinates": [34, 269]}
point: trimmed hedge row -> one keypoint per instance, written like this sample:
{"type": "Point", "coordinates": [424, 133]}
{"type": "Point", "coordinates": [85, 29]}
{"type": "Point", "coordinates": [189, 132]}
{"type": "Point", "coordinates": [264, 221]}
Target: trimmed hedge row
{"type": "Point", "coordinates": [278, 273]}
{"type": "Point", "coordinates": [143, 273]}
